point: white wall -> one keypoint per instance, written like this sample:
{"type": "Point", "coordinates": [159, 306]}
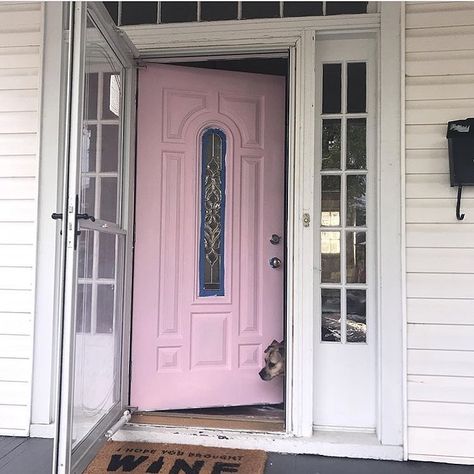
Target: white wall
{"type": "Point", "coordinates": [440, 250]}
{"type": "Point", "coordinates": [20, 65]}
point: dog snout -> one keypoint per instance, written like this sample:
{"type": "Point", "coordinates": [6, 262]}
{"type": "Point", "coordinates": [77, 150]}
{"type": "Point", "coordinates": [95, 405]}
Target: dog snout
{"type": "Point", "coordinates": [264, 375]}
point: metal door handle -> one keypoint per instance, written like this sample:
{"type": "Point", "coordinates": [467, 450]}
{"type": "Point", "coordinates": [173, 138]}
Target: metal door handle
{"type": "Point", "coordinates": [85, 216]}
{"type": "Point", "coordinates": [275, 262]}
{"type": "Point", "coordinates": [56, 215]}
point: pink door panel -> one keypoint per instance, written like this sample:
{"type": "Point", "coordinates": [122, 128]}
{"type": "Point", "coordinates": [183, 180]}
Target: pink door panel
{"type": "Point", "coordinates": [199, 351]}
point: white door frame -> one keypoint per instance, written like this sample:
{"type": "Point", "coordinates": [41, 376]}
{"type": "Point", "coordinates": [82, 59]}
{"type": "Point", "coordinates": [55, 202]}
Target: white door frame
{"type": "Point", "coordinates": [299, 37]}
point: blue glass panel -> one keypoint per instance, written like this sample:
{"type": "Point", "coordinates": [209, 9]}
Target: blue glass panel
{"type": "Point", "coordinates": [211, 249]}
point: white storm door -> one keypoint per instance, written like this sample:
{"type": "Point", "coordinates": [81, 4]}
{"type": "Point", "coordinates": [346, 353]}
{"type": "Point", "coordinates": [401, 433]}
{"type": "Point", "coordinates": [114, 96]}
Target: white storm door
{"type": "Point", "coordinates": [96, 237]}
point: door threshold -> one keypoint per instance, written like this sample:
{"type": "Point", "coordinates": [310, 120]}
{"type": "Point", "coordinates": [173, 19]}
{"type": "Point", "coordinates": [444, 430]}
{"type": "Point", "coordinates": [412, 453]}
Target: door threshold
{"type": "Point", "coordinates": [252, 418]}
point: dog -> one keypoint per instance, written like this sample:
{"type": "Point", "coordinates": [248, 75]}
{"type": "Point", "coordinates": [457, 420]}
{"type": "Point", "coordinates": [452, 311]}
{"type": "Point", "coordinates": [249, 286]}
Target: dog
{"type": "Point", "coordinates": [275, 361]}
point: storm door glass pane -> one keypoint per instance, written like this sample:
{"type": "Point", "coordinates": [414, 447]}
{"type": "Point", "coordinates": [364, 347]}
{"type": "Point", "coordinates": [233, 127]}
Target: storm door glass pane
{"type": "Point", "coordinates": [92, 81]}
{"type": "Point", "coordinates": [83, 308]}
{"type": "Point", "coordinates": [89, 148]}
{"type": "Point", "coordinates": [110, 147]}
{"type": "Point", "coordinates": [211, 259]}
{"type": "Point", "coordinates": [331, 315]}
{"type": "Point", "coordinates": [356, 319]}
{"type": "Point", "coordinates": [88, 195]}
{"type": "Point", "coordinates": [108, 200]}
{"type": "Point", "coordinates": [85, 251]}
{"type": "Point", "coordinates": [98, 337]}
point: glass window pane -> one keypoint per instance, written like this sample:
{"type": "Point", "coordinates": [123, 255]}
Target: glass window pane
{"type": "Point", "coordinates": [213, 11]}
{"type": "Point", "coordinates": [211, 258]}
{"type": "Point", "coordinates": [137, 13]}
{"type": "Point", "coordinates": [302, 9]}
{"type": "Point", "coordinates": [85, 249]}
{"type": "Point", "coordinates": [330, 315]}
{"type": "Point", "coordinates": [91, 90]}
{"type": "Point", "coordinates": [83, 308]}
{"type": "Point", "coordinates": [88, 195]}
{"type": "Point", "coordinates": [105, 308]}
{"type": "Point", "coordinates": [260, 10]}
{"type": "Point", "coordinates": [356, 144]}
{"type": "Point", "coordinates": [112, 8]}
{"type": "Point", "coordinates": [112, 96]}
{"type": "Point", "coordinates": [330, 200]}
{"type": "Point", "coordinates": [355, 257]}
{"type": "Point", "coordinates": [178, 12]}
{"type": "Point", "coordinates": [89, 148]}
{"type": "Point", "coordinates": [108, 199]}
{"type": "Point", "coordinates": [345, 8]}
{"type": "Point", "coordinates": [110, 148]}
{"type": "Point", "coordinates": [331, 145]}
{"type": "Point", "coordinates": [356, 87]}
{"type": "Point", "coordinates": [330, 257]}
{"type": "Point", "coordinates": [356, 200]}
{"type": "Point", "coordinates": [356, 316]}
{"type": "Point", "coordinates": [331, 88]}
{"type": "Point", "coordinates": [106, 267]}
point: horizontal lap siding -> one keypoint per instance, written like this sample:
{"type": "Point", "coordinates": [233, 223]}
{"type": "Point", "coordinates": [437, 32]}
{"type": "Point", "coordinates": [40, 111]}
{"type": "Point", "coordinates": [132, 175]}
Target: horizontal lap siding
{"type": "Point", "coordinates": [440, 250]}
{"type": "Point", "coordinates": [20, 61]}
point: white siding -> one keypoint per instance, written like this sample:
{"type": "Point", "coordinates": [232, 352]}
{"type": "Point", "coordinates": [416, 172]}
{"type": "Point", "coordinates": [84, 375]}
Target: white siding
{"type": "Point", "coordinates": [20, 63]}
{"type": "Point", "coordinates": [440, 250]}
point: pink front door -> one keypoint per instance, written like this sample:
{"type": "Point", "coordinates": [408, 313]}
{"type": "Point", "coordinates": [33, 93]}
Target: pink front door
{"type": "Point", "coordinates": [210, 194]}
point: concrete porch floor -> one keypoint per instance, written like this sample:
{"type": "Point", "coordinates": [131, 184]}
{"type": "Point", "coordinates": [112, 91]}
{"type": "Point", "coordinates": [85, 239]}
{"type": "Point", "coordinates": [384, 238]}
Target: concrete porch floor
{"type": "Point", "coordinates": [33, 456]}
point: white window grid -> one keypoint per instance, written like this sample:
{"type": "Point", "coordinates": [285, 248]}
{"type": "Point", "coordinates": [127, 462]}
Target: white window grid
{"type": "Point", "coordinates": [343, 229]}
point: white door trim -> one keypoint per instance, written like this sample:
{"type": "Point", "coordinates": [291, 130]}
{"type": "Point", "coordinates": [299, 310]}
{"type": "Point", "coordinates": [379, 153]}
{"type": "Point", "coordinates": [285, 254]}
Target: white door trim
{"type": "Point", "coordinates": [298, 36]}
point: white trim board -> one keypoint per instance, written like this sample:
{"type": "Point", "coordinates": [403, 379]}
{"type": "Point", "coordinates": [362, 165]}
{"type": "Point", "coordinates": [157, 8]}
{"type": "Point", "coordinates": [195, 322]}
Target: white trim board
{"type": "Point", "coordinates": [338, 444]}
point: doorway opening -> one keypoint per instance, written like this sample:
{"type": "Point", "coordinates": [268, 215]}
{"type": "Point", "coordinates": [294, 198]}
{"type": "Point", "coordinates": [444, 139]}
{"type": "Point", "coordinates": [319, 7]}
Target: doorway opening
{"type": "Point", "coordinates": [210, 252]}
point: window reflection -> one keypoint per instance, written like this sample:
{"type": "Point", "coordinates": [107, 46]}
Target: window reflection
{"type": "Point", "coordinates": [331, 315]}
{"type": "Point", "coordinates": [330, 257]}
{"type": "Point", "coordinates": [356, 326]}
{"type": "Point", "coordinates": [330, 200]}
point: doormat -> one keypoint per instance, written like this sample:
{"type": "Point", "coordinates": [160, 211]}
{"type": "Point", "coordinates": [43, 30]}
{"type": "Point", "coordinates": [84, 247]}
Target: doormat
{"type": "Point", "coordinates": [122, 456]}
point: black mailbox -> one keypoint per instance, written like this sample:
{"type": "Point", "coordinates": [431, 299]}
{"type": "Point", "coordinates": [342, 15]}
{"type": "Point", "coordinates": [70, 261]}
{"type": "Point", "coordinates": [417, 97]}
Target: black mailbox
{"type": "Point", "coordinates": [461, 152]}
{"type": "Point", "coordinates": [460, 137]}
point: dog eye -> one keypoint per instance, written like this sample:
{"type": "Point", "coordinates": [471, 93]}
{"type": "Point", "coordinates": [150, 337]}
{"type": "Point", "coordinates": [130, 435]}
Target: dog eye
{"type": "Point", "coordinates": [271, 364]}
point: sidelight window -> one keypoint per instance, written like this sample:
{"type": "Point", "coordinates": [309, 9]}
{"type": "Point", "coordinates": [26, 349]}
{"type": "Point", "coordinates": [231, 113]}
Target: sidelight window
{"type": "Point", "coordinates": [343, 220]}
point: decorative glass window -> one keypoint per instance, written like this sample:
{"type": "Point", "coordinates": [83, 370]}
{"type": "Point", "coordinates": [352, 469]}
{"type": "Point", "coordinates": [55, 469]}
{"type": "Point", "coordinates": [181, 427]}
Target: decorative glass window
{"type": "Point", "coordinates": [211, 248]}
{"type": "Point", "coordinates": [344, 203]}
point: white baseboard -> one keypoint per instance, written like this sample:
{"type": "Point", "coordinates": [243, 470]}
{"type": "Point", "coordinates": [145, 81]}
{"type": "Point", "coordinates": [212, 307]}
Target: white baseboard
{"type": "Point", "coordinates": [42, 431]}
